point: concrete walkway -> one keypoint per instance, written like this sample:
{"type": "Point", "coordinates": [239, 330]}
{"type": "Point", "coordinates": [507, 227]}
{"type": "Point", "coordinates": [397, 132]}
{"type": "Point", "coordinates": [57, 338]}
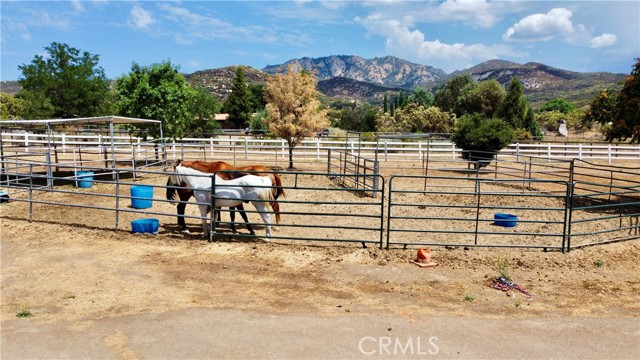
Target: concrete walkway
{"type": "Point", "coordinates": [231, 334]}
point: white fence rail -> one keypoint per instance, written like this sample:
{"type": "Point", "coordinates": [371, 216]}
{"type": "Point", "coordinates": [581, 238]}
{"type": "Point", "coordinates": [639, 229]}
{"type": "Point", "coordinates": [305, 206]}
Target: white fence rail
{"type": "Point", "coordinates": [248, 147]}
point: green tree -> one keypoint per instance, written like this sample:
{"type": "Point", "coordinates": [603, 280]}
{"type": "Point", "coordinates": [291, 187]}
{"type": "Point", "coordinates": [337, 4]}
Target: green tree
{"type": "Point", "coordinates": [293, 107]}
{"type": "Point", "coordinates": [416, 118]}
{"type": "Point", "coordinates": [260, 121]}
{"type": "Point", "coordinates": [157, 92]}
{"type": "Point", "coordinates": [11, 107]}
{"type": "Point", "coordinates": [603, 111]}
{"type": "Point", "coordinates": [35, 105]}
{"type": "Point", "coordinates": [385, 106]}
{"type": "Point", "coordinates": [531, 125]}
{"type": "Point", "coordinates": [448, 98]}
{"type": "Point", "coordinates": [558, 104]}
{"type": "Point", "coordinates": [486, 98]}
{"type": "Point", "coordinates": [514, 106]}
{"type": "Point", "coordinates": [69, 82]}
{"type": "Point", "coordinates": [358, 118]}
{"type": "Point", "coordinates": [480, 138]}
{"type": "Point", "coordinates": [421, 97]}
{"type": "Point", "coordinates": [256, 96]}
{"type": "Point", "coordinates": [627, 123]}
{"type": "Point", "coordinates": [203, 108]}
{"type": "Point", "coordinates": [238, 104]}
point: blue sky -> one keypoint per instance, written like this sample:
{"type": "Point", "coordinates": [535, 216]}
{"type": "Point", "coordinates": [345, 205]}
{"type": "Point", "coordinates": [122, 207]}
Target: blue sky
{"type": "Point", "coordinates": [585, 36]}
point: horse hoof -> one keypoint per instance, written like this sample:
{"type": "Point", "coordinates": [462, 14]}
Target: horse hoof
{"type": "Point", "coordinates": [185, 231]}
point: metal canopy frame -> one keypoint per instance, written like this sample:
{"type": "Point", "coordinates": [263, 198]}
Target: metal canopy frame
{"type": "Point", "coordinates": [111, 120]}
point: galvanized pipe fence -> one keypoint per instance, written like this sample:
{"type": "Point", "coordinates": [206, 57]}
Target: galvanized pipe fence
{"type": "Point", "coordinates": [460, 211]}
{"type": "Point", "coordinates": [415, 210]}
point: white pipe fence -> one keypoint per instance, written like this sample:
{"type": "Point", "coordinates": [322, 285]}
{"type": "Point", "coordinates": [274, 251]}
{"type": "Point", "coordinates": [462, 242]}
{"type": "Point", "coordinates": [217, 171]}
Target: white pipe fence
{"type": "Point", "coordinates": [226, 147]}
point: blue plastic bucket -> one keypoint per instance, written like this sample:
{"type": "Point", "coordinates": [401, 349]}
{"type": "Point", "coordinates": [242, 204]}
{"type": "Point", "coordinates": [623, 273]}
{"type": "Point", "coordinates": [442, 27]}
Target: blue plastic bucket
{"type": "Point", "coordinates": [84, 179]}
{"type": "Point", "coordinates": [141, 196]}
{"type": "Point", "coordinates": [506, 220]}
{"type": "Point", "coordinates": [145, 226]}
{"type": "Point", "coordinates": [4, 197]}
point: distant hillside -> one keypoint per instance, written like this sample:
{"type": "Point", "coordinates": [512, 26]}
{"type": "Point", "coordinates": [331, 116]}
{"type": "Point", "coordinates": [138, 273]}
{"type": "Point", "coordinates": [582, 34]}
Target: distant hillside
{"type": "Point", "coordinates": [543, 83]}
{"type": "Point", "coordinates": [345, 88]}
{"type": "Point", "coordinates": [218, 81]}
{"type": "Point", "coordinates": [388, 71]}
{"type": "Point", "coordinates": [11, 87]}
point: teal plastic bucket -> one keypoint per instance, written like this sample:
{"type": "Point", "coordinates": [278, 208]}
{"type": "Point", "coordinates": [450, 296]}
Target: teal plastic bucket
{"type": "Point", "coordinates": [141, 196]}
{"type": "Point", "coordinates": [145, 226]}
{"type": "Point", "coordinates": [84, 179]}
{"type": "Point", "coordinates": [506, 220]}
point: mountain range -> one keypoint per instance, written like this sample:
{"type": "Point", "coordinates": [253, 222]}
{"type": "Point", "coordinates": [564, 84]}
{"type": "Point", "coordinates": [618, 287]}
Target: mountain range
{"type": "Point", "coordinates": [353, 77]}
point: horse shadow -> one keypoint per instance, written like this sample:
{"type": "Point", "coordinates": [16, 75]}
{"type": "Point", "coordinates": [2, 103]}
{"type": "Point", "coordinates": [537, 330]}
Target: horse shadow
{"type": "Point", "coordinates": [223, 233]}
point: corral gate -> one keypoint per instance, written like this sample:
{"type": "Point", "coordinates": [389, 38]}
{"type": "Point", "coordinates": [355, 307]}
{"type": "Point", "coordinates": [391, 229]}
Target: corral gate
{"type": "Point", "coordinates": [354, 171]}
{"type": "Point", "coordinates": [460, 211]}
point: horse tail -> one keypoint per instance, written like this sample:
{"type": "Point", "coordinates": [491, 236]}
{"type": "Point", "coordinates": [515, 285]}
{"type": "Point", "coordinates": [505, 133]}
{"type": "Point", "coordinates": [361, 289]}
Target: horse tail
{"type": "Point", "coordinates": [266, 195]}
{"type": "Point", "coordinates": [278, 191]}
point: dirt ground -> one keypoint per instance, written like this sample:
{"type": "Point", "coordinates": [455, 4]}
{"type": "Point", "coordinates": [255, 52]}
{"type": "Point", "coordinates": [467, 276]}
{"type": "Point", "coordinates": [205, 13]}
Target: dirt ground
{"type": "Point", "coordinates": [69, 267]}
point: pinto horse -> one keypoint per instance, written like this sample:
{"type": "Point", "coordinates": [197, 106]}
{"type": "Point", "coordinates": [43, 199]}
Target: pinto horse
{"type": "Point", "coordinates": [212, 167]}
{"type": "Point", "coordinates": [228, 193]}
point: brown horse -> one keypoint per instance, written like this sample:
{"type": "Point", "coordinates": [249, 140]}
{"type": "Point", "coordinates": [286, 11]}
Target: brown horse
{"type": "Point", "coordinates": [212, 167]}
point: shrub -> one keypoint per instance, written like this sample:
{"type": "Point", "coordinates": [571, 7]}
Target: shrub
{"type": "Point", "coordinates": [481, 138]}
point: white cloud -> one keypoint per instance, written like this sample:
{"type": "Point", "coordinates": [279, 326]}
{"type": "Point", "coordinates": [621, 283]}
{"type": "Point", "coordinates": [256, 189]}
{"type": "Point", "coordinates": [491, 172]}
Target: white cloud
{"type": "Point", "coordinates": [603, 40]}
{"type": "Point", "coordinates": [77, 5]}
{"type": "Point", "coordinates": [191, 27]}
{"type": "Point", "coordinates": [556, 23]}
{"type": "Point", "coordinates": [140, 18]}
{"type": "Point", "coordinates": [479, 13]}
{"type": "Point", "coordinates": [413, 45]}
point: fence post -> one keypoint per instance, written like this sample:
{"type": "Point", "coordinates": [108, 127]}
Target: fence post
{"type": "Point", "coordinates": [64, 143]}
{"type": "Point", "coordinates": [580, 151]}
{"type": "Point", "coordinates": [118, 195]}
{"type": "Point", "coordinates": [211, 146]}
{"type": "Point", "coordinates": [385, 151]}
{"type": "Point", "coordinates": [30, 193]}
{"type": "Point", "coordinates": [134, 164]}
{"type": "Point", "coordinates": [549, 152]}
{"type": "Point", "coordinates": [283, 152]}
{"type": "Point", "coordinates": [420, 150]}
{"type": "Point", "coordinates": [453, 151]}
{"type": "Point", "coordinates": [26, 141]}
{"type": "Point", "coordinates": [609, 153]}
{"type": "Point", "coordinates": [318, 148]}
{"type": "Point", "coordinates": [246, 148]}
{"type": "Point", "coordinates": [49, 172]}
{"type": "Point", "coordinates": [517, 151]}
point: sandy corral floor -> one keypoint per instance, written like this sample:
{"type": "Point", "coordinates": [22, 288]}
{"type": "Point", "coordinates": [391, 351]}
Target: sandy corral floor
{"type": "Point", "coordinates": [69, 266]}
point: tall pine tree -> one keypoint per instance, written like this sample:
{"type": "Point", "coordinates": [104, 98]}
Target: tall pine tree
{"type": "Point", "coordinates": [238, 105]}
{"type": "Point", "coordinates": [514, 106]}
